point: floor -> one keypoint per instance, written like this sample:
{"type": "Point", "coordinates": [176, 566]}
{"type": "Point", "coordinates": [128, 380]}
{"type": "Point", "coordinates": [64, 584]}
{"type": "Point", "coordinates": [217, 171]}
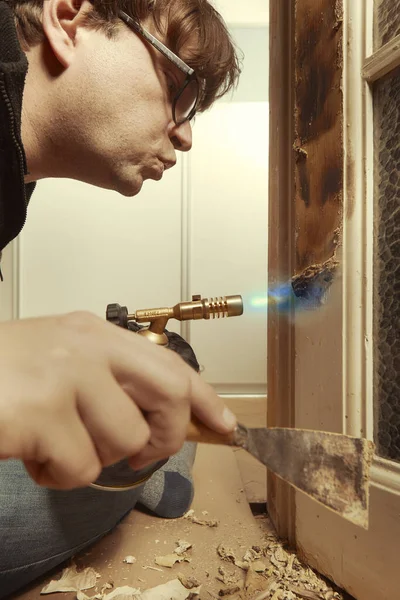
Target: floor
{"type": "Point", "coordinates": [219, 492]}
{"type": "Point", "coordinates": [218, 553]}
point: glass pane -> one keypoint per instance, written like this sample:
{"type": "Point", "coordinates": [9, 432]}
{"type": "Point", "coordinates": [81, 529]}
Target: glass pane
{"type": "Point", "coordinates": [387, 21]}
{"type": "Point", "coordinates": [387, 267]}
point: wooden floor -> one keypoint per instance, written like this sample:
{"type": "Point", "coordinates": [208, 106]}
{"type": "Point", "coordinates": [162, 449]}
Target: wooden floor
{"type": "Point", "coordinates": [219, 492]}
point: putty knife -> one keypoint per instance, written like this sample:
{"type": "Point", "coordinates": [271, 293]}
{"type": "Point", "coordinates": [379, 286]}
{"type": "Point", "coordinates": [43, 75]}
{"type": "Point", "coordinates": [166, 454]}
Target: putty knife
{"type": "Point", "coordinates": [331, 468]}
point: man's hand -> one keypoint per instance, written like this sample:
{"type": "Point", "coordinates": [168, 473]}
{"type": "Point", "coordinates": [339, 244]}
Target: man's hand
{"type": "Point", "coordinates": [78, 394]}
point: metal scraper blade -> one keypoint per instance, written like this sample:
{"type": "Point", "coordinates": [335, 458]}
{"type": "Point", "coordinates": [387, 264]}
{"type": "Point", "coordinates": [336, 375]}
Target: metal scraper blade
{"type": "Point", "coordinates": [330, 468]}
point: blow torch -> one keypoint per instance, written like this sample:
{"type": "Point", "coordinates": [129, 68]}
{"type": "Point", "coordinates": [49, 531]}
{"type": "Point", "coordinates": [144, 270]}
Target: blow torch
{"type": "Point", "coordinates": [198, 308]}
{"type": "Point", "coordinates": [120, 476]}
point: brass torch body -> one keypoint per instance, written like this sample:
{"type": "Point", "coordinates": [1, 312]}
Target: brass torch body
{"type": "Point", "coordinates": [198, 308]}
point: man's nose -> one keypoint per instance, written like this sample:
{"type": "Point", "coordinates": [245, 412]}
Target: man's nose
{"type": "Point", "coordinates": [181, 136]}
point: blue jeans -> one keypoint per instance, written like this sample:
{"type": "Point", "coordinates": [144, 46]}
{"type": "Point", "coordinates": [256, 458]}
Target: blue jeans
{"type": "Point", "coordinates": [41, 528]}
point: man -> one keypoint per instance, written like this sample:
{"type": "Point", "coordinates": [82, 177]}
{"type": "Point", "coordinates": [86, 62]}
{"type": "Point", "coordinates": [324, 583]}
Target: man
{"type": "Point", "coordinates": [87, 91]}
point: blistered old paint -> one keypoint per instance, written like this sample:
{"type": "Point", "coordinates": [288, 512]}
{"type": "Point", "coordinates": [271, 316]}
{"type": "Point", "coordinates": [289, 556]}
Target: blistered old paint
{"type": "Point", "coordinates": [318, 126]}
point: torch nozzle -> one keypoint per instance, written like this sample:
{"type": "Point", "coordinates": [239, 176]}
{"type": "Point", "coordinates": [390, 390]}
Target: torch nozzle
{"type": "Point", "coordinates": [209, 308]}
{"type": "Point", "coordinates": [198, 308]}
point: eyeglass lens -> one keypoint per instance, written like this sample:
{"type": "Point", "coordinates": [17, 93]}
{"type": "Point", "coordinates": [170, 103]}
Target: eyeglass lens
{"type": "Point", "coordinates": [187, 101]}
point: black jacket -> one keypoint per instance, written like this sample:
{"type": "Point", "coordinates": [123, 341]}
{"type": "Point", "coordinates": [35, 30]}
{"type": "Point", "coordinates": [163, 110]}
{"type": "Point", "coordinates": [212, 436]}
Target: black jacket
{"type": "Point", "coordinates": [14, 194]}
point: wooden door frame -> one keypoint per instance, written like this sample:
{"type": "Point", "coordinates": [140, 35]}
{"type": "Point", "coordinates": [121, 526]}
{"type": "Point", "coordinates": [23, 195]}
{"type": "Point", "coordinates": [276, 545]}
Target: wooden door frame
{"type": "Point", "coordinates": [306, 196]}
{"type": "Point", "coordinates": [280, 352]}
{"type": "Point", "coordinates": [356, 560]}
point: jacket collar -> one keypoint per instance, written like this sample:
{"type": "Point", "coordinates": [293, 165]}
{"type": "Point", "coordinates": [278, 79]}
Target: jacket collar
{"type": "Point", "coordinates": [14, 194]}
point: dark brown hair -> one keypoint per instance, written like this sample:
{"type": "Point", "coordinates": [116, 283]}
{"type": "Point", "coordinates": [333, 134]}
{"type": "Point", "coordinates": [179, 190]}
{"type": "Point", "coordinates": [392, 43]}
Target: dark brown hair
{"type": "Point", "coordinates": [193, 29]}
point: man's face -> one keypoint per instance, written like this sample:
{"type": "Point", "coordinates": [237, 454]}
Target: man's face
{"type": "Point", "coordinates": [114, 125]}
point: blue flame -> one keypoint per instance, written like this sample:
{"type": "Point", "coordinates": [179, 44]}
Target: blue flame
{"type": "Point", "coordinates": [299, 294]}
{"type": "Point", "coordinates": [280, 296]}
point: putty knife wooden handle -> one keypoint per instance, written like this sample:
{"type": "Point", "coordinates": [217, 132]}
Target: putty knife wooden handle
{"type": "Point", "coordinates": [329, 467]}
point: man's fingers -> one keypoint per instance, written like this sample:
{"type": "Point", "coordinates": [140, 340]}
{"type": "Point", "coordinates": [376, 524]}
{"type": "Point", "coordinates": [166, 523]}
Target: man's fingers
{"type": "Point", "coordinates": [156, 371]}
{"type": "Point", "coordinates": [117, 426]}
{"type": "Point", "coordinates": [207, 406]}
{"type": "Point", "coordinates": [68, 457]}
{"type": "Point", "coordinates": [168, 433]}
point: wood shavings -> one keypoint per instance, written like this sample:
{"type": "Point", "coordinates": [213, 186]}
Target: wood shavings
{"type": "Point", "coordinates": [100, 596]}
{"type": "Point", "coordinates": [207, 522]}
{"type": "Point", "coordinates": [125, 592]}
{"type": "Point", "coordinates": [274, 573]}
{"type": "Point", "coordinates": [251, 554]}
{"type": "Point", "coordinates": [263, 595]}
{"type": "Point", "coordinates": [271, 587]}
{"type": "Point", "coordinates": [152, 568]}
{"type": "Point", "coordinates": [171, 590]}
{"type": "Point", "coordinates": [106, 586]}
{"type": "Point", "coordinates": [169, 560]}
{"type": "Point", "coordinates": [303, 593]}
{"type": "Point", "coordinates": [275, 562]}
{"type": "Point", "coordinates": [228, 555]}
{"type": "Point", "coordinates": [129, 560]}
{"type": "Point", "coordinates": [242, 564]}
{"type": "Point", "coordinates": [281, 555]}
{"type": "Point", "coordinates": [188, 582]}
{"type": "Point", "coordinates": [179, 555]}
{"type": "Point", "coordinates": [290, 562]}
{"type": "Point", "coordinates": [72, 581]}
{"type": "Point", "coordinates": [226, 577]}
{"type": "Point", "coordinates": [229, 591]}
{"type": "Point", "coordinates": [259, 566]}
{"type": "Point", "coordinates": [182, 547]}
{"type": "Point", "coordinates": [254, 583]}
{"type": "Point", "coordinates": [248, 556]}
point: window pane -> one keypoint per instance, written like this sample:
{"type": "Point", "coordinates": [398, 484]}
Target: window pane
{"type": "Point", "coordinates": [387, 21]}
{"type": "Point", "coordinates": [387, 267]}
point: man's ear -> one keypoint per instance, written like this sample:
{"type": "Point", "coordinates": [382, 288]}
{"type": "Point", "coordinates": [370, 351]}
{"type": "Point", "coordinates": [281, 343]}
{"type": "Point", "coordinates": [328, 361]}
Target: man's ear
{"type": "Point", "coordinates": [61, 19]}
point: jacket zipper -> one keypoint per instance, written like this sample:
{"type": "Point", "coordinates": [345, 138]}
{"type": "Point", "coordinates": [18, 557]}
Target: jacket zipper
{"type": "Point", "coordinates": [3, 91]}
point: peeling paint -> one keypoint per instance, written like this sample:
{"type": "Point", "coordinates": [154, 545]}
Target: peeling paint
{"type": "Point", "coordinates": [318, 146]}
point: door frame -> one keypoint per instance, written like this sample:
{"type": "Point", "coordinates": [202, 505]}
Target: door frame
{"type": "Point", "coordinates": [362, 562]}
{"type": "Point", "coordinates": [280, 341]}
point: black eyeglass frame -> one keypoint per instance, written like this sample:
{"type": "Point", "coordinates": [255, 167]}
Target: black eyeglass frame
{"type": "Point", "coordinates": [178, 62]}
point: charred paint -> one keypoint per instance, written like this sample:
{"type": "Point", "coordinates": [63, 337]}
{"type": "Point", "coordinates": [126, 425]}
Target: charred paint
{"type": "Point", "coordinates": [318, 117]}
{"type": "Point", "coordinates": [332, 183]}
{"type": "Point", "coordinates": [304, 182]}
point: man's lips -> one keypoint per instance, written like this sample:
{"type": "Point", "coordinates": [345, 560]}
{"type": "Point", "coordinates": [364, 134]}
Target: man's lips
{"type": "Point", "coordinates": [168, 164]}
{"type": "Point", "coordinates": [156, 171]}
{"type": "Point", "coordinates": [163, 165]}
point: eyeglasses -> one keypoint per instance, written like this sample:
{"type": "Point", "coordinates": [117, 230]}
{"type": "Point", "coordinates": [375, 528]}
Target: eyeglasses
{"type": "Point", "coordinates": [186, 99]}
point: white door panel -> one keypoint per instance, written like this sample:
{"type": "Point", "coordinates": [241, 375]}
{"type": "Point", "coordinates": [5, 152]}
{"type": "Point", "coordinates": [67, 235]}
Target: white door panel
{"type": "Point", "coordinates": [83, 248]}
{"type": "Point", "coordinates": [229, 188]}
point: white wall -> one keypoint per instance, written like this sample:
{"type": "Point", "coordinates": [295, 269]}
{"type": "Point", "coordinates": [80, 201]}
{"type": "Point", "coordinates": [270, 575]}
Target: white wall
{"type": "Point", "coordinates": [203, 229]}
{"type": "Point", "coordinates": [84, 248]}
{"type": "Point", "coordinates": [239, 12]}
{"type": "Point", "coordinates": [229, 240]}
